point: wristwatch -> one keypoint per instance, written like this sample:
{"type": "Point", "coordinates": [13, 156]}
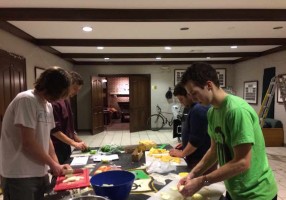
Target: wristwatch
{"type": "Point", "coordinates": [206, 182]}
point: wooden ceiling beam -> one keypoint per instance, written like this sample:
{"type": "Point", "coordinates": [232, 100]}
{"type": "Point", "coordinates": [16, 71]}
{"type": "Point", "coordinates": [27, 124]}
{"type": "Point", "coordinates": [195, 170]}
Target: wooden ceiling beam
{"type": "Point", "coordinates": [16, 31]}
{"type": "Point", "coordinates": [162, 55]}
{"type": "Point", "coordinates": [263, 53]}
{"type": "Point", "coordinates": [161, 42]}
{"type": "Point", "coordinates": [140, 15]}
{"type": "Point", "coordinates": [25, 36]}
{"type": "Point", "coordinates": [149, 62]}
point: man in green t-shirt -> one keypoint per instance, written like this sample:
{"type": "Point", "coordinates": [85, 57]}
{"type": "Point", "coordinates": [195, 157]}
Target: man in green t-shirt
{"type": "Point", "coordinates": [237, 142]}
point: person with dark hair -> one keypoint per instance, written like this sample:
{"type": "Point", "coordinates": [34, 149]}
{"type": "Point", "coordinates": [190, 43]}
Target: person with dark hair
{"type": "Point", "coordinates": [26, 150]}
{"type": "Point", "coordinates": [236, 142]}
{"type": "Point", "coordinates": [64, 135]}
{"type": "Point", "coordinates": [195, 138]}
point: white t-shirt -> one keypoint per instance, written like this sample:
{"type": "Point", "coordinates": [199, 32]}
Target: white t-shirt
{"type": "Point", "coordinates": [28, 110]}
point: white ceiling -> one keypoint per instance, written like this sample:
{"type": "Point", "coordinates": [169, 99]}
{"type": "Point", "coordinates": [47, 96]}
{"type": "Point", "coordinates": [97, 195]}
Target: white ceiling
{"type": "Point", "coordinates": [189, 49]}
{"type": "Point", "coordinates": [152, 30]}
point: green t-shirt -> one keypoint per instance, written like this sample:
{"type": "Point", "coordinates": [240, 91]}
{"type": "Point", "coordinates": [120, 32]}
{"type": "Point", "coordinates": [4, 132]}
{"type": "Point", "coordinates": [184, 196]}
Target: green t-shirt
{"type": "Point", "coordinates": [235, 122]}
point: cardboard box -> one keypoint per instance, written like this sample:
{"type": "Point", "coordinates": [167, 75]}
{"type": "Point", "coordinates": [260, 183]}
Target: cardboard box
{"type": "Point", "coordinates": [274, 137]}
{"type": "Point", "coordinates": [130, 148]}
{"type": "Point", "coordinates": [136, 155]}
{"type": "Point", "coordinates": [145, 145]}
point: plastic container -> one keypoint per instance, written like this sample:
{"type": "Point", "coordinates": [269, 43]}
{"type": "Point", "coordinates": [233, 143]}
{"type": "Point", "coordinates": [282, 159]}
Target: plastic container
{"type": "Point", "coordinates": [119, 184]}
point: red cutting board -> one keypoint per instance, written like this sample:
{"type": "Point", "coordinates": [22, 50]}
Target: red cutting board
{"type": "Point", "coordinates": [73, 185]}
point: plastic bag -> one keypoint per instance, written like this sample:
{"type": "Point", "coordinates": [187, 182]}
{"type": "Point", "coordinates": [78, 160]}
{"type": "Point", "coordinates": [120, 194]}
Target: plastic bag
{"type": "Point", "coordinates": [160, 167]}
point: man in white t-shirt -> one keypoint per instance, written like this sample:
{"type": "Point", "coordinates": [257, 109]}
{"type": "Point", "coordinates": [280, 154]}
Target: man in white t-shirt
{"type": "Point", "coordinates": [26, 151]}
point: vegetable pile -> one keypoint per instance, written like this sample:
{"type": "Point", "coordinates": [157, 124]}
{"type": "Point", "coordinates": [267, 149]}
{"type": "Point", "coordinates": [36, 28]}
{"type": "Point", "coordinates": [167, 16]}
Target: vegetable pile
{"type": "Point", "coordinates": [113, 148]}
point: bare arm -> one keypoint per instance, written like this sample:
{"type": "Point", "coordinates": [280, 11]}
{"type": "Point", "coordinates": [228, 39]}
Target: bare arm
{"type": "Point", "coordinates": [188, 150]}
{"type": "Point", "coordinates": [52, 152]}
{"type": "Point", "coordinates": [62, 137]}
{"type": "Point", "coordinates": [76, 138]}
{"type": "Point", "coordinates": [239, 164]}
{"type": "Point", "coordinates": [206, 162]}
{"type": "Point", "coordinates": [34, 150]}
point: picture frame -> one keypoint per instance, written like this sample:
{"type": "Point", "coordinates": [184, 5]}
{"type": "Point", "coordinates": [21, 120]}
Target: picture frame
{"type": "Point", "coordinates": [38, 71]}
{"type": "Point", "coordinates": [250, 92]}
{"type": "Point", "coordinates": [221, 74]}
{"type": "Point", "coordinates": [178, 73]}
{"type": "Point", "coordinates": [279, 99]}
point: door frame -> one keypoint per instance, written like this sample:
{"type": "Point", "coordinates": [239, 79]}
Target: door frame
{"type": "Point", "coordinates": [128, 75]}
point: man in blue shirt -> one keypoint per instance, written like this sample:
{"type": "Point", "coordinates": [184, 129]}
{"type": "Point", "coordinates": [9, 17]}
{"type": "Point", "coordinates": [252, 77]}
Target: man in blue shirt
{"type": "Point", "coordinates": [195, 138]}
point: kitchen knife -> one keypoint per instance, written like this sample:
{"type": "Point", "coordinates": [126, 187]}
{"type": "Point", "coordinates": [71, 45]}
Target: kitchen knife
{"type": "Point", "coordinates": [72, 171]}
{"type": "Point", "coordinates": [69, 171]}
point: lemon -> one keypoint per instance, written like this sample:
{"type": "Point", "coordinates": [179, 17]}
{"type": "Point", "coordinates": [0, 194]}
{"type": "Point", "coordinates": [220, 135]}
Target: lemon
{"type": "Point", "coordinates": [183, 174]}
{"type": "Point", "coordinates": [197, 196]}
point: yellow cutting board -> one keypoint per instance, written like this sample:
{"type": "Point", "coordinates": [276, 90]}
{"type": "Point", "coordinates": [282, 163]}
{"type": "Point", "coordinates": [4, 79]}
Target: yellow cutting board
{"type": "Point", "coordinates": [212, 192]}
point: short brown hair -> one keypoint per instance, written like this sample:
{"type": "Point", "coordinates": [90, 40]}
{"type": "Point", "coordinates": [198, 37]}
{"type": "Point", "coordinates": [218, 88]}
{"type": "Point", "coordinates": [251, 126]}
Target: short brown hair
{"type": "Point", "coordinates": [180, 90]}
{"type": "Point", "coordinates": [55, 82]}
{"type": "Point", "coordinates": [76, 78]}
{"type": "Point", "coordinates": [200, 73]}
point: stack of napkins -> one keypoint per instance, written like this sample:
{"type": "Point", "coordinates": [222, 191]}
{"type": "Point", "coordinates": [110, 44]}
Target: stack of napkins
{"type": "Point", "coordinates": [79, 161]}
{"type": "Point", "coordinates": [99, 158]}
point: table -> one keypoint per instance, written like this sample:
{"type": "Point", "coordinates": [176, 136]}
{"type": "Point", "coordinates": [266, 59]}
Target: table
{"type": "Point", "coordinates": [126, 164]}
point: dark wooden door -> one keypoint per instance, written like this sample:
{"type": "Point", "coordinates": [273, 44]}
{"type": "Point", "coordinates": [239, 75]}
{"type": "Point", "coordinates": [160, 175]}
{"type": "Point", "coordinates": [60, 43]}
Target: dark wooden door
{"type": "Point", "coordinates": [97, 105]}
{"type": "Point", "coordinates": [18, 75]}
{"type": "Point", "coordinates": [12, 79]}
{"type": "Point", "coordinates": [140, 101]}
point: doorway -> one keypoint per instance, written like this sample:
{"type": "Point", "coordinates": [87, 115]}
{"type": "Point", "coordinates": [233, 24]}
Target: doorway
{"type": "Point", "coordinates": [126, 100]}
{"type": "Point", "coordinates": [116, 101]}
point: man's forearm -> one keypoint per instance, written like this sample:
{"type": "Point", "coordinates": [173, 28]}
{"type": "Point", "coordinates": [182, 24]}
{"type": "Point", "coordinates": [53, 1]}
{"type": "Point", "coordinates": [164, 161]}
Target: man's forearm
{"type": "Point", "coordinates": [188, 150]}
{"type": "Point", "coordinates": [33, 149]}
{"type": "Point", "coordinates": [65, 139]}
{"type": "Point", "coordinates": [76, 138]}
{"type": "Point", "coordinates": [206, 162]}
{"type": "Point", "coordinates": [52, 152]}
{"type": "Point", "coordinates": [240, 163]}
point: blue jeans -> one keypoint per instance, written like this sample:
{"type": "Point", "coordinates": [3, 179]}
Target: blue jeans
{"type": "Point", "coordinates": [25, 188]}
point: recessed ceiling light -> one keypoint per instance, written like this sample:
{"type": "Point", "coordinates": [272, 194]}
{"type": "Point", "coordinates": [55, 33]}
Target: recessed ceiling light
{"type": "Point", "coordinates": [100, 48]}
{"type": "Point", "coordinates": [87, 29]}
{"type": "Point", "coordinates": [208, 58]}
{"type": "Point", "coordinates": [277, 27]}
{"type": "Point", "coordinates": [168, 48]}
{"type": "Point", "coordinates": [158, 58]}
{"type": "Point", "coordinates": [233, 47]}
{"type": "Point", "coordinates": [184, 28]}
{"type": "Point", "coordinates": [106, 58]}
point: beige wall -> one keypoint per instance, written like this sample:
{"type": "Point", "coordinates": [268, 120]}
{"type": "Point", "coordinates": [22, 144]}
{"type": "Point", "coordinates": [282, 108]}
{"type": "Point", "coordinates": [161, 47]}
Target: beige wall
{"type": "Point", "coordinates": [34, 55]}
{"type": "Point", "coordinates": [161, 78]}
{"type": "Point", "coordinates": [253, 70]}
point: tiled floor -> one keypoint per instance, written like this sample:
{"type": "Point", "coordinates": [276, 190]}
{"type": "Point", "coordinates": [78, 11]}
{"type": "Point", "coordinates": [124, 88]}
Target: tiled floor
{"type": "Point", "coordinates": [120, 135]}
